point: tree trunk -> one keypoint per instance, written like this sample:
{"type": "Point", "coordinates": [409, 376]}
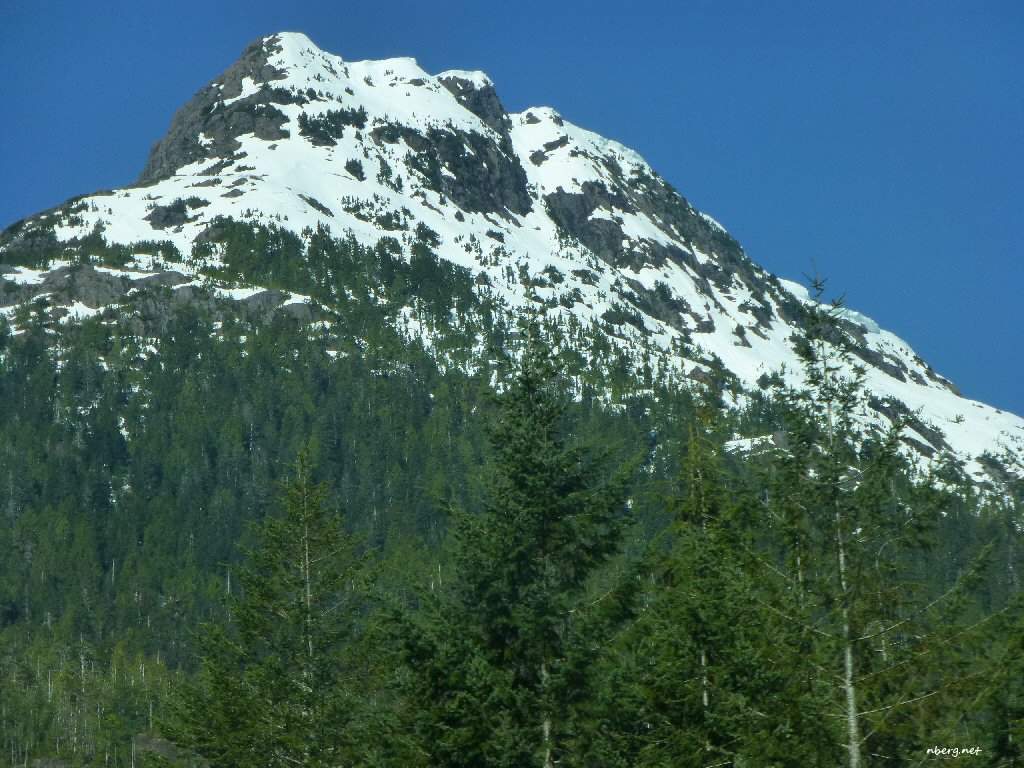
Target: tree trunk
{"type": "Point", "coordinates": [852, 724]}
{"type": "Point", "coordinates": [549, 760]}
{"type": "Point", "coordinates": [849, 685]}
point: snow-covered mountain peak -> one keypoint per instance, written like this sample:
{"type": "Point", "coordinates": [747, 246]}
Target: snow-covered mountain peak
{"type": "Point", "coordinates": [294, 46]}
{"type": "Point", "coordinates": [539, 211]}
{"type": "Point", "coordinates": [475, 78]}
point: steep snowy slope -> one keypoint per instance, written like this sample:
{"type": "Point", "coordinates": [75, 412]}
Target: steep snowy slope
{"type": "Point", "coordinates": [541, 211]}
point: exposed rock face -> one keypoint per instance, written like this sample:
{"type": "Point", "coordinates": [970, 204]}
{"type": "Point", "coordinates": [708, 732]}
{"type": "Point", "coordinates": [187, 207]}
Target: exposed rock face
{"type": "Point", "coordinates": [572, 212]}
{"type": "Point", "coordinates": [208, 127]}
{"type": "Point", "coordinates": [660, 203]}
{"type": "Point", "coordinates": [208, 116]}
{"type": "Point", "coordinates": [470, 168]}
{"type": "Point", "coordinates": [933, 439]}
{"type": "Point", "coordinates": [484, 179]}
{"type": "Point", "coordinates": [177, 213]}
{"type": "Point", "coordinates": [503, 186]}
{"type": "Point", "coordinates": [83, 284]}
{"type": "Point", "coordinates": [481, 100]}
{"type": "Point", "coordinates": [84, 289]}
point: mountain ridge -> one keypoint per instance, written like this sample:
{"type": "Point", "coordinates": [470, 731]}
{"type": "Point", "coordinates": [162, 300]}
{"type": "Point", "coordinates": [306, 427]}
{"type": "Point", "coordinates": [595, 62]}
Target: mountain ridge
{"type": "Point", "coordinates": [539, 211]}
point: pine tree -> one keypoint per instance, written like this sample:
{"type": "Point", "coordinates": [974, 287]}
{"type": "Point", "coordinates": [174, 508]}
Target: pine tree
{"type": "Point", "coordinates": [698, 680]}
{"type": "Point", "coordinates": [500, 660]}
{"type": "Point", "coordinates": [1005, 693]}
{"type": "Point", "coordinates": [279, 683]}
{"type": "Point", "coordinates": [849, 527]}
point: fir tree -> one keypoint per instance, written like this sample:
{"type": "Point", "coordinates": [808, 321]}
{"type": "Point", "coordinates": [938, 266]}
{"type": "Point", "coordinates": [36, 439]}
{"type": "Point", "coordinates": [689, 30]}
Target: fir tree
{"type": "Point", "coordinates": [500, 660]}
{"type": "Point", "coordinates": [849, 527]}
{"type": "Point", "coordinates": [279, 684]}
{"type": "Point", "coordinates": [698, 672]}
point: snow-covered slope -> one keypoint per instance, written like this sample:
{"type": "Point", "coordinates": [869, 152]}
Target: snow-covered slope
{"type": "Point", "coordinates": [540, 210]}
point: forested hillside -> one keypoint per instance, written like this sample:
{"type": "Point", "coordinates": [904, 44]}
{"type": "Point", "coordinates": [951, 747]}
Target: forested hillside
{"type": "Point", "coordinates": [586, 568]}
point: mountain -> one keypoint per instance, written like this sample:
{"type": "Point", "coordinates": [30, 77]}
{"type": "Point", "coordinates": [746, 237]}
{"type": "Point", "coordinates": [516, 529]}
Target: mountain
{"type": "Point", "coordinates": [529, 210]}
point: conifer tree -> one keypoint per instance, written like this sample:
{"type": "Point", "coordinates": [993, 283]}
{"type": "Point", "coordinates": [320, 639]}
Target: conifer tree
{"type": "Point", "coordinates": [500, 660]}
{"type": "Point", "coordinates": [278, 685]}
{"type": "Point", "coordinates": [1005, 694]}
{"type": "Point", "coordinates": [704, 684]}
{"type": "Point", "coordinates": [849, 526]}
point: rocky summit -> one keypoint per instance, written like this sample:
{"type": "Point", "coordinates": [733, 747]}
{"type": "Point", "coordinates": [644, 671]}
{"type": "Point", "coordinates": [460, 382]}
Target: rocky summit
{"type": "Point", "coordinates": [539, 213]}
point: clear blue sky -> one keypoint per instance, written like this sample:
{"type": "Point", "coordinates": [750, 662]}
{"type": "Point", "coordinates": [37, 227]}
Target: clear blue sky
{"type": "Point", "coordinates": [882, 140]}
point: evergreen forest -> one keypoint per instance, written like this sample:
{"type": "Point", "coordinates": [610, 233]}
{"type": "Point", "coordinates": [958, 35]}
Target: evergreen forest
{"type": "Point", "coordinates": [234, 537]}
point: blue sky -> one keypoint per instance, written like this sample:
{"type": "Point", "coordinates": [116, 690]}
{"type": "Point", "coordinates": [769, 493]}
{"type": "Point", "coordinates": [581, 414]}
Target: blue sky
{"type": "Point", "coordinates": [882, 142]}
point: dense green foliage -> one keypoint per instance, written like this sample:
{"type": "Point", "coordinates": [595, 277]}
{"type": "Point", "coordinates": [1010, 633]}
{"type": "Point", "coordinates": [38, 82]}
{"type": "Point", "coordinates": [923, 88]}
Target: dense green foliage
{"type": "Point", "coordinates": [530, 603]}
{"type": "Point", "coordinates": [692, 679]}
{"type": "Point", "coordinates": [282, 686]}
{"type": "Point", "coordinates": [325, 128]}
{"type": "Point", "coordinates": [500, 659]}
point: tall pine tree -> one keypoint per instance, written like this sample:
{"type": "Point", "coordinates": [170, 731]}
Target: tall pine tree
{"type": "Point", "coordinates": [500, 658]}
{"type": "Point", "coordinates": [877, 643]}
{"type": "Point", "coordinates": [279, 684]}
{"type": "Point", "coordinates": [697, 680]}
